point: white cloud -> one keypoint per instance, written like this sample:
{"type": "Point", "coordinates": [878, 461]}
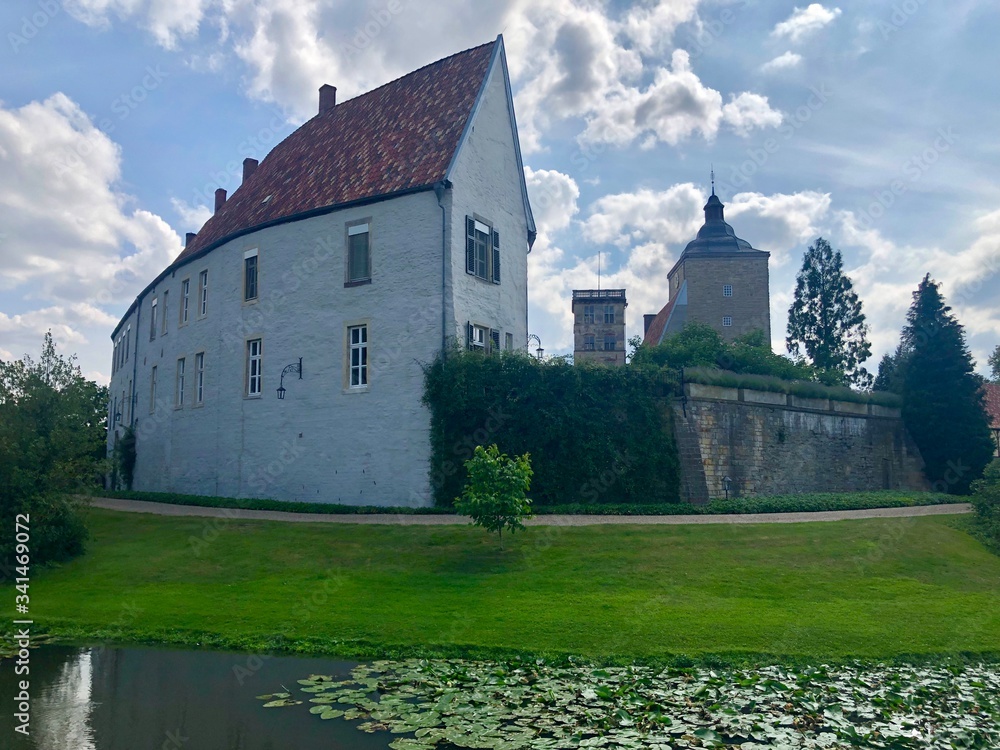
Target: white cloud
{"type": "Point", "coordinates": [168, 21]}
{"type": "Point", "coordinates": [748, 111]}
{"type": "Point", "coordinates": [553, 198]}
{"type": "Point", "coordinates": [805, 21]}
{"type": "Point", "coordinates": [194, 217]}
{"type": "Point", "coordinates": [72, 240]}
{"type": "Point", "coordinates": [785, 61]}
{"type": "Point", "coordinates": [676, 106]}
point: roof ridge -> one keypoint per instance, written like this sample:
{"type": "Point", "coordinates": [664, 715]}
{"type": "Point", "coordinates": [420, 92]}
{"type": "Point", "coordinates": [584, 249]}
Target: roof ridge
{"type": "Point", "coordinates": [400, 78]}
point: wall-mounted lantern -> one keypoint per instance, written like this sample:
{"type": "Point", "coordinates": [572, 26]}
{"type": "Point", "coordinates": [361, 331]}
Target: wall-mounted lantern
{"type": "Point", "coordinates": [294, 367]}
{"type": "Point", "coordinates": [727, 483]}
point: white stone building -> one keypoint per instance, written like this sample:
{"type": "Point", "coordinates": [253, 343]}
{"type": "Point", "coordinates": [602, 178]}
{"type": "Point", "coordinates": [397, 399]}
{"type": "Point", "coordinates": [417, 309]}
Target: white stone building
{"type": "Point", "coordinates": [369, 240]}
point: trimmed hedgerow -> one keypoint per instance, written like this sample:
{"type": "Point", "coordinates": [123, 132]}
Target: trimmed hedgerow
{"type": "Point", "coordinates": [801, 388]}
{"type": "Point", "coordinates": [595, 434]}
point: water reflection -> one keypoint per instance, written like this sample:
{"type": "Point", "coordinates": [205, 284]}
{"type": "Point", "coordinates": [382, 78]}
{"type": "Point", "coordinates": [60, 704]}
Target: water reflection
{"type": "Point", "coordinates": [130, 698]}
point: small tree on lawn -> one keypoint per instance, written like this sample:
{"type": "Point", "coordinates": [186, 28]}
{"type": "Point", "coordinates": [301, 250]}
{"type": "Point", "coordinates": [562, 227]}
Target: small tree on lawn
{"type": "Point", "coordinates": [494, 495]}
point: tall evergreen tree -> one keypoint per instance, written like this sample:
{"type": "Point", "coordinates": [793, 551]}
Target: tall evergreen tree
{"type": "Point", "coordinates": [825, 318]}
{"type": "Point", "coordinates": [886, 379]}
{"type": "Point", "coordinates": [942, 396]}
{"type": "Point", "coordinates": [994, 363]}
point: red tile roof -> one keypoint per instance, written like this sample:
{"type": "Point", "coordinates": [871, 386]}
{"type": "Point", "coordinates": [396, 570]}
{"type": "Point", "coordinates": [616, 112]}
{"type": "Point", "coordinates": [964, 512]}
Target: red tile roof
{"type": "Point", "coordinates": [400, 136]}
{"type": "Point", "coordinates": [655, 332]}
{"type": "Point", "coordinates": [992, 401]}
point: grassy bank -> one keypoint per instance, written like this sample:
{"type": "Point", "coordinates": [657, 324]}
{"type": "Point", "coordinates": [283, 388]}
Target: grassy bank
{"type": "Point", "coordinates": [872, 589]}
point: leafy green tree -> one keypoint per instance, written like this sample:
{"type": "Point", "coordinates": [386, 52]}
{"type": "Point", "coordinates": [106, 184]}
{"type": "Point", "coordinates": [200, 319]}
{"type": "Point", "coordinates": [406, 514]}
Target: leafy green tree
{"type": "Point", "coordinates": [994, 363]}
{"type": "Point", "coordinates": [825, 319]}
{"type": "Point", "coordinates": [942, 396]}
{"type": "Point", "coordinates": [986, 501]}
{"type": "Point", "coordinates": [494, 496]}
{"type": "Point", "coordinates": [52, 441]}
{"type": "Point", "coordinates": [700, 345]}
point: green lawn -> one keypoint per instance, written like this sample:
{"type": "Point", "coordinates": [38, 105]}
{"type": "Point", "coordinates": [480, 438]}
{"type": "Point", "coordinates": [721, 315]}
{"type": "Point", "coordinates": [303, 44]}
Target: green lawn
{"type": "Point", "coordinates": [876, 588]}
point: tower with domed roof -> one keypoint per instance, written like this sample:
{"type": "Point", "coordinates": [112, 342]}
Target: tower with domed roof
{"type": "Point", "coordinates": [719, 280]}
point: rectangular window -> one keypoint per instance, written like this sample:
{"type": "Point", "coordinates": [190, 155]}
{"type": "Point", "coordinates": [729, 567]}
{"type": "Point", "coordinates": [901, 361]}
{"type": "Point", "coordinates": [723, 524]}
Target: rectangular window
{"type": "Point", "coordinates": [359, 266]}
{"type": "Point", "coordinates": [509, 342]}
{"type": "Point", "coordinates": [180, 383]}
{"type": "Point", "coordinates": [128, 335]}
{"type": "Point", "coordinates": [203, 293]}
{"type": "Point", "coordinates": [254, 365]}
{"type": "Point", "coordinates": [152, 390]}
{"type": "Point", "coordinates": [131, 396]}
{"type": "Point", "coordinates": [152, 320]}
{"type": "Point", "coordinates": [727, 290]}
{"type": "Point", "coordinates": [609, 313]}
{"type": "Point", "coordinates": [478, 336]}
{"type": "Point", "coordinates": [358, 337]}
{"type": "Point", "coordinates": [114, 359]}
{"type": "Point", "coordinates": [588, 314]}
{"type": "Point", "coordinates": [185, 300]}
{"type": "Point", "coordinates": [163, 313]}
{"type": "Point", "coordinates": [609, 342]}
{"type": "Point", "coordinates": [727, 321]}
{"type": "Point", "coordinates": [588, 342]}
{"type": "Point", "coordinates": [199, 378]}
{"type": "Point", "coordinates": [482, 250]}
{"type": "Point", "coordinates": [250, 275]}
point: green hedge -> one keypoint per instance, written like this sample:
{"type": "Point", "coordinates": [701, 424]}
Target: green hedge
{"type": "Point", "coordinates": [804, 503]}
{"type": "Point", "coordinates": [596, 434]}
{"type": "Point", "coordinates": [801, 388]}
{"type": "Point", "coordinates": [774, 504]}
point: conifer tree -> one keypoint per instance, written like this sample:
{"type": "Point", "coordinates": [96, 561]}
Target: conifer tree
{"type": "Point", "coordinates": [942, 395]}
{"type": "Point", "coordinates": [994, 363]}
{"type": "Point", "coordinates": [825, 318]}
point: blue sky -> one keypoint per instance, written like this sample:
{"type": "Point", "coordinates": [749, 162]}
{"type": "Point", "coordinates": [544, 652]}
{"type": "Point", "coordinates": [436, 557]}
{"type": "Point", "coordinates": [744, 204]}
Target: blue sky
{"type": "Point", "coordinates": [871, 124]}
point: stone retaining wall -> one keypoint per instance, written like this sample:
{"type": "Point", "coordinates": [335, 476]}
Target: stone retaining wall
{"type": "Point", "coordinates": [773, 443]}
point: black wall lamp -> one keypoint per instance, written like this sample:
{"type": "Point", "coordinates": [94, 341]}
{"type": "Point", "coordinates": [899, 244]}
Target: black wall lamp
{"type": "Point", "coordinates": [294, 367]}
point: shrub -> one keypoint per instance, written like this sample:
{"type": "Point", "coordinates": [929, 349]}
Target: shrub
{"type": "Point", "coordinates": [595, 433]}
{"type": "Point", "coordinates": [494, 495]}
{"type": "Point", "coordinates": [57, 531]}
{"type": "Point", "coordinates": [801, 388]}
{"type": "Point", "coordinates": [986, 501]}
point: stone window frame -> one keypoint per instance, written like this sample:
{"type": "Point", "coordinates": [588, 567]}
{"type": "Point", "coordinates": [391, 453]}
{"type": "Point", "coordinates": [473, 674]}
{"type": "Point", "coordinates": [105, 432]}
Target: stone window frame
{"type": "Point", "coordinates": [179, 382]}
{"type": "Point", "coordinates": [610, 338]}
{"type": "Point", "coordinates": [184, 308]}
{"type": "Point", "coordinates": [727, 321]}
{"type": "Point", "coordinates": [727, 290]}
{"type": "Point", "coordinates": [609, 314]}
{"type": "Point", "coordinates": [349, 348]}
{"type": "Point", "coordinates": [589, 342]}
{"type": "Point", "coordinates": [248, 379]}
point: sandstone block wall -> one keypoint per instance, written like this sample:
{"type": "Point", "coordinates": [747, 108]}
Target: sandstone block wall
{"type": "Point", "coordinates": [772, 444]}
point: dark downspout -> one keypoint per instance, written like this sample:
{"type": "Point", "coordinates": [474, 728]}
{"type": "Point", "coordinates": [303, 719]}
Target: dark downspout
{"type": "Point", "coordinates": [439, 188]}
{"type": "Point", "coordinates": [135, 362]}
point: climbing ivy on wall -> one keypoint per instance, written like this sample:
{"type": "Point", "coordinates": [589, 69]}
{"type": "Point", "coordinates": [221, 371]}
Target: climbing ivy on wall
{"type": "Point", "coordinates": [596, 434]}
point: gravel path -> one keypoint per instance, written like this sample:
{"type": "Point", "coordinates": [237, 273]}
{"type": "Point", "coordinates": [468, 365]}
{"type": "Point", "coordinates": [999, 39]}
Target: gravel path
{"type": "Point", "coordinates": [166, 509]}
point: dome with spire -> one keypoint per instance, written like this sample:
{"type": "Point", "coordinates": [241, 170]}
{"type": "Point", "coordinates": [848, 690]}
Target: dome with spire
{"type": "Point", "coordinates": [715, 234]}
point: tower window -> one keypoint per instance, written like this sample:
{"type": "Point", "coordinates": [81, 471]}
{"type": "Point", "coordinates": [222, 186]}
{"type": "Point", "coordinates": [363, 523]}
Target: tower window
{"type": "Point", "coordinates": [358, 253]}
{"type": "Point", "coordinates": [588, 313]}
{"type": "Point", "coordinates": [254, 363]}
{"type": "Point", "coordinates": [609, 314]}
{"type": "Point", "coordinates": [609, 342]}
{"type": "Point", "coordinates": [358, 367]}
{"type": "Point", "coordinates": [588, 342]}
{"type": "Point", "coordinates": [250, 275]}
{"type": "Point", "coordinates": [727, 290]}
{"type": "Point", "coordinates": [727, 321]}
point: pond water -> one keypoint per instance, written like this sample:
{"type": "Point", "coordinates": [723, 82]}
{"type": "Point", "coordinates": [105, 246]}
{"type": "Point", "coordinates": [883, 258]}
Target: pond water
{"type": "Point", "coordinates": [103, 698]}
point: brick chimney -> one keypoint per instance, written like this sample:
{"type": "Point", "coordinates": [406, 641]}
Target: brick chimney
{"type": "Point", "coordinates": [189, 238]}
{"type": "Point", "coordinates": [249, 167]}
{"type": "Point", "coordinates": [327, 97]}
{"type": "Point", "coordinates": [647, 321]}
{"type": "Point", "coordinates": [220, 199]}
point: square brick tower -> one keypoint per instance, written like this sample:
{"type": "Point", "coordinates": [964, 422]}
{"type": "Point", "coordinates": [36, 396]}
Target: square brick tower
{"type": "Point", "coordinates": [599, 326]}
{"type": "Point", "coordinates": [719, 280]}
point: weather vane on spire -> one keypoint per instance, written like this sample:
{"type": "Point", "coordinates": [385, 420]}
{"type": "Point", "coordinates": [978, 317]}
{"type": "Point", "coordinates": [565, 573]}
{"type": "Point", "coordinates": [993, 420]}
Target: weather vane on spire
{"type": "Point", "coordinates": [713, 179]}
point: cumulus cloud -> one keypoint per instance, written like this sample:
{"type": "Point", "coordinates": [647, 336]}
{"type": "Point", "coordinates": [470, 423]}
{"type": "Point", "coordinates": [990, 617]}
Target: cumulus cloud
{"type": "Point", "coordinates": [71, 237]}
{"type": "Point", "coordinates": [785, 61]}
{"type": "Point", "coordinates": [553, 197]}
{"type": "Point", "coordinates": [194, 217]}
{"type": "Point", "coordinates": [805, 21]}
{"type": "Point", "coordinates": [568, 58]}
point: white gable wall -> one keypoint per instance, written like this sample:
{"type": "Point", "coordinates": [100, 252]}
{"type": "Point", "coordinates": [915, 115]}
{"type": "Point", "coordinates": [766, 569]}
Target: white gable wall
{"type": "Point", "coordinates": [487, 183]}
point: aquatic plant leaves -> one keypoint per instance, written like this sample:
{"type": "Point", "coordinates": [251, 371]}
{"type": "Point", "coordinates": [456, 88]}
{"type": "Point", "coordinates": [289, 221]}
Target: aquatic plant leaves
{"type": "Point", "coordinates": [453, 703]}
